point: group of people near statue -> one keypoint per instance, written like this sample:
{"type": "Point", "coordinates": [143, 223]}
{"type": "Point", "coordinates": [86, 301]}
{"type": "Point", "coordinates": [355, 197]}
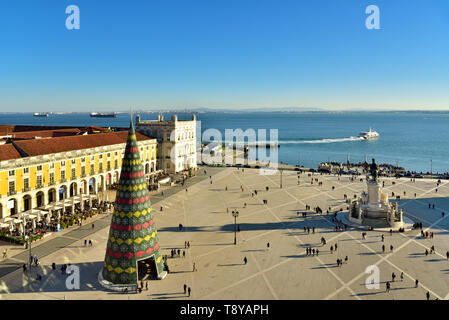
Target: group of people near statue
{"type": "Point", "coordinates": [312, 252]}
{"type": "Point", "coordinates": [340, 261]}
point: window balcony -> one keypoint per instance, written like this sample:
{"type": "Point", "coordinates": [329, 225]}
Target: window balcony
{"type": "Point", "coordinates": [11, 193]}
{"type": "Point", "coordinates": [40, 185]}
{"type": "Point", "coordinates": [25, 189]}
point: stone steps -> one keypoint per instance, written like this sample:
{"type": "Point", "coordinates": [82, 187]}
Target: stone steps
{"type": "Point", "coordinates": [376, 223]}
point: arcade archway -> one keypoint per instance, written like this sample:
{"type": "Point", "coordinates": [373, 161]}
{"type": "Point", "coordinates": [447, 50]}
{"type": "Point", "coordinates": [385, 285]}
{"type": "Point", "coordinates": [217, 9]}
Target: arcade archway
{"type": "Point", "coordinates": [52, 195]}
{"type": "Point", "coordinates": [26, 200]}
{"type": "Point", "coordinates": [62, 192]}
{"type": "Point", "coordinates": [40, 199]}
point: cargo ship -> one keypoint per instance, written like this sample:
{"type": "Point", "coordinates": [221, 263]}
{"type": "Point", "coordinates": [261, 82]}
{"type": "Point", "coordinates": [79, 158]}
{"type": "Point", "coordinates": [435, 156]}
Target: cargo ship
{"type": "Point", "coordinates": [40, 114]}
{"type": "Point", "coordinates": [103, 115]}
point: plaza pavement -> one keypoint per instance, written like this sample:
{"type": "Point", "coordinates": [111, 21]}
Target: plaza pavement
{"type": "Point", "coordinates": [282, 271]}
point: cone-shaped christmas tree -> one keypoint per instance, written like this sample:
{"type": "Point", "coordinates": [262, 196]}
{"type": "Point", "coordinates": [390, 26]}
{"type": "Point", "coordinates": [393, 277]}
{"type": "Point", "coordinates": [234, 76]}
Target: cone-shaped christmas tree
{"type": "Point", "coordinates": [132, 236]}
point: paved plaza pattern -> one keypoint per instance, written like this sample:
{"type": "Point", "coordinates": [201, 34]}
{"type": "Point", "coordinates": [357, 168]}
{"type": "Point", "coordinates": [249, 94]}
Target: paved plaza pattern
{"type": "Point", "coordinates": [281, 271]}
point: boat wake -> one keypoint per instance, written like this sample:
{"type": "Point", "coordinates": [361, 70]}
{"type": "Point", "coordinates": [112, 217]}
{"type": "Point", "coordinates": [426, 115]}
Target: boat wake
{"type": "Point", "coordinates": [322, 140]}
{"type": "Point", "coordinates": [275, 143]}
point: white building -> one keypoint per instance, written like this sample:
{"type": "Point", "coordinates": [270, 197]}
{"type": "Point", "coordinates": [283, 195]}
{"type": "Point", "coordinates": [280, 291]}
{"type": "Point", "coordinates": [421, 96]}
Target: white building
{"type": "Point", "coordinates": [176, 142]}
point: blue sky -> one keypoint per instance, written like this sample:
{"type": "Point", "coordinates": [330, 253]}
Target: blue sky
{"type": "Point", "coordinates": [223, 54]}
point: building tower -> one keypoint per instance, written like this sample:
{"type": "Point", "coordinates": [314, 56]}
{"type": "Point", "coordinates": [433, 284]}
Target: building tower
{"type": "Point", "coordinates": [133, 250]}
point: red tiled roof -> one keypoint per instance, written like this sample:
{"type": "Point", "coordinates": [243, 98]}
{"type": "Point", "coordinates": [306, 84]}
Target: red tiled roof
{"type": "Point", "coordinates": [37, 147]}
{"type": "Point", "coordinates": [8, 152]}
{"type": "Point", "coordinates": [7, 128]}
{"type": "Point", "coordinates": [45, 133]}
{"type": "Point", "coordinates": [92, 129]}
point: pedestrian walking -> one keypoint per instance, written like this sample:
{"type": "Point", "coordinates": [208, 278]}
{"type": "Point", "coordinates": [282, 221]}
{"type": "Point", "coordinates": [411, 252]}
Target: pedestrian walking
{"type": "Point", "coordinates": [383, 248]}
{"type": "Point", "coordinates": [332, 249]}
{"type": "Point", "coordinates": [268, 245]}
{"type": "Point", "coordinates": [391, 248]}
{"type": "Point", "coordinates": [93, 226]}
{"type": "Point", "coordinates": [335, 247]}
{"type": "Point", "coordinates": [346, 259]}
{"type": "Point", "coordinates": [382, 236]}
{"type": "Point", "coordinates": [146, 286]}
{"type": "Point", "coordinates": [428, 295]}
{"type": "Point", "coordinates": [185, 288]}
{"type": "Point", "coordinates": [402, 276]}
{"type": "Point", "coordinates": [245, 260]}
{"type": "Point", "coordinates": [194, 267]}
{"type": "Point", "coordinates": [416, 283]}
{"type": "Point", "coordinates": [85, 242]}
{"type": "Point", "coordinates": [393, 276]}
{"type": "Point", "coordinates": [190, 290]}
{"type": "Point", "coordinates": [388, 286]}
{"type": "Point", "coordinates": [4, 253]}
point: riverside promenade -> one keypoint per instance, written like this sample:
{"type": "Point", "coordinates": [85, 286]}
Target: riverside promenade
{"type": "Point", "coordinates": [281, 271]}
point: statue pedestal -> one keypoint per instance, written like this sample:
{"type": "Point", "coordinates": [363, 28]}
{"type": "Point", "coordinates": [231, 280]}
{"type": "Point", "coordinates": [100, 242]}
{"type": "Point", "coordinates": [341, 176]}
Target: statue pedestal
{"type": "Point", "coordinates": [373, 193]}
{"type": "Point", "coordinates": [374, 201]}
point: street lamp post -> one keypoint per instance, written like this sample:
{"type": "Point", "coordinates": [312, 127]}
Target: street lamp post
{"type": "Point", "coordinates": [28, 238]}
{"type": "Point", "coordinates": [281, 177]}
{"type": "Point", "coordinates": [235, 214]}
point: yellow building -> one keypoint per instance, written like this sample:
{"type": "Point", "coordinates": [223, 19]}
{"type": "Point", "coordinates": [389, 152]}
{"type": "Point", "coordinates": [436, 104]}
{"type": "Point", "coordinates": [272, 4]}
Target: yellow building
{"type": "Point", "coordinates": [37, 172]}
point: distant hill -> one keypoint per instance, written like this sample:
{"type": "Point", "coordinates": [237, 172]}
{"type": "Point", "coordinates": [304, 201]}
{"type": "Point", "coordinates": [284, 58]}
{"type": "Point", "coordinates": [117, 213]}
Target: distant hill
{"type": "Point", "coordinates": [232, 110]}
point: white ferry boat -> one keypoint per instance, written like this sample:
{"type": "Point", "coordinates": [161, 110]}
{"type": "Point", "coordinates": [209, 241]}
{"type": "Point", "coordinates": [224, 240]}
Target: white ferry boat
{"type": "Point", "coordinates": [369, 135]}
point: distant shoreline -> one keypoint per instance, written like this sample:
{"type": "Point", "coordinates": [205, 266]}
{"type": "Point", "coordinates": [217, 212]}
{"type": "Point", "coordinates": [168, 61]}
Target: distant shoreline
{"type": "Point", "coordinates": [240, 111]}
